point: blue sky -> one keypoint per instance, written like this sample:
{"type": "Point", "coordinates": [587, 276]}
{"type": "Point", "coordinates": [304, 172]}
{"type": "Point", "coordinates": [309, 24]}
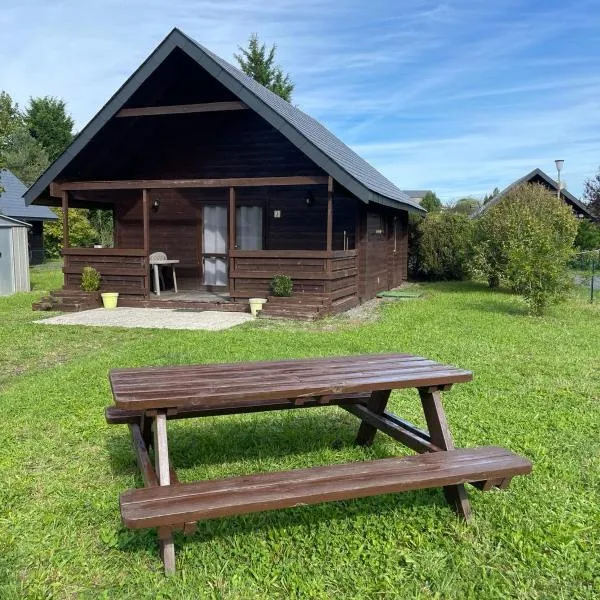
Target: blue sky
{"type": "Point", "coordinates": [458, 97]}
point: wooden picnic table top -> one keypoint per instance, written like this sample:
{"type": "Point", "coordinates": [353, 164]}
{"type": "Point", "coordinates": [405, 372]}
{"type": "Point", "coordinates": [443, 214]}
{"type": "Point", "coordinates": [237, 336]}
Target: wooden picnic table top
{"type": "Point", "coordinates": [213, 385]}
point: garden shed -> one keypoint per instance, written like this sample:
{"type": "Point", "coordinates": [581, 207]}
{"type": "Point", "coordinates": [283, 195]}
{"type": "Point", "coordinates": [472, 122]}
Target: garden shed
{"type": "Point", "coordinates": [14, 256]}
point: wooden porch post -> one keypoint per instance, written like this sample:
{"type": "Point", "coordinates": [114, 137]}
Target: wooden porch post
{"type": "Point", "coordinates": [232, 216]}
{"type": "Point", "coordinates": [146, 220]}
{"type": "Point", "coordinates": [65, 209]}
{"type": "Point", "coordinates": [232, 235]}
{"type": "Point", "coordinates": [330, 214]}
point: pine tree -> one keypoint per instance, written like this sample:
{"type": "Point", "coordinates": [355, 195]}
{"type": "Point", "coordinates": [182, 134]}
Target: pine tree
{"type": "Point", "coordinates": [259, 64]}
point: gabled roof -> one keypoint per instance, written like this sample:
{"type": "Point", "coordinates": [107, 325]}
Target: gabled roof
{"type": "Point", "coordinates": [308, 135]}
{"type": "Point", "coordinates": [12, 203]}
{"type": "Point", "coordinates": [10, 222]}
{"type": "Point", "coordinates": [416, 194]}
{"type": "Point", "coordinates": [538, 174]}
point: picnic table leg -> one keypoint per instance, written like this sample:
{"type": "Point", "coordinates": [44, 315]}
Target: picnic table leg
{"type": "Point", "coordinates": [376, 403]}
{"type": "Point", "coordinates": [162, 467]}
{"type": "Point", "coordinates": [435, 416]}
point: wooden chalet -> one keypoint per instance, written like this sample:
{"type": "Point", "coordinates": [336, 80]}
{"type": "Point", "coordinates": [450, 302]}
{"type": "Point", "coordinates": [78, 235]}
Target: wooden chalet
{"type": "Point", "coordinates": [199, 161]}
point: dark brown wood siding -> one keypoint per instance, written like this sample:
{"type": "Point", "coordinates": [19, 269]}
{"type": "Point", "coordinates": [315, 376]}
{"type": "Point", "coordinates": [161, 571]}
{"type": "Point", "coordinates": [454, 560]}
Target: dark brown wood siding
{"type": "Point", "coordinates": [381, 266]}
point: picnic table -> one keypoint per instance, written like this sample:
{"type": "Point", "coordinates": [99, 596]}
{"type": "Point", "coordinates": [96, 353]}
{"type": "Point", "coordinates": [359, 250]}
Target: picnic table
{"type": "Point", "coordinates": [146, 398]}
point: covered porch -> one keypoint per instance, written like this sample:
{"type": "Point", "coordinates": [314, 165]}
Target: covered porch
{"type": "Point", "coordinates": [229, 236]}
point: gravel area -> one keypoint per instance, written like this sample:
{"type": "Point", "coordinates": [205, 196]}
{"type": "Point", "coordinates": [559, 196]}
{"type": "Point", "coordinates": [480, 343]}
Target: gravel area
{"type": "Point", "coordinates": [152, 318]}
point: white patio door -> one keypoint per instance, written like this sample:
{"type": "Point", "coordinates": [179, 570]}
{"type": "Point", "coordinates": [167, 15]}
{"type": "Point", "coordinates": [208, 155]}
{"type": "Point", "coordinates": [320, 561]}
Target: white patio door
{"type": "Point", "coordinates": [214, 244]}
{"type": "Point", "coordinates": [249, 228]}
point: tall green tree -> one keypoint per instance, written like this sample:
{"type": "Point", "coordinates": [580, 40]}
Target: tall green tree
{"type": "Point", "coordinates": [431, 203]}
{"type": "Point", "coordinates": [260, 64]}
{"type": "Point", "coordinates": [466, 206]}
{"type": "Point", "coordinates": [526, 239]}
{"type": "Point", "coordinates": [48, 122]}
{"type": "Point", "coordinates": [23, 155]}
{"type": "Point", "coordinates": [591, 193]}
{"type": "Point", "coordinates": [488, 197]}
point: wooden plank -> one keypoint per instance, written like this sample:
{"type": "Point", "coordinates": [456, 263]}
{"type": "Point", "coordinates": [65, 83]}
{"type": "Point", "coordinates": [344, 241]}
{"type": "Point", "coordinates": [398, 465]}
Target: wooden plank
{"type": "Point", "coordinates": [217, 395]}
{"type": "Point", "coordinates": [282, 368]}
{"type": "Point", "coordinates": [215, 382]}
{"type": "Point", "coordinates": [143, 459]}
{"type": "Point", "coordinates": [439, 432]}
{"type": "Point", "coordinates": [146, 221]}
{"type": "Point", "coordinates": [160, 506]}
{"type": "Point", "coordinates": [329, 214]}
{"type": "Point", "coordinates": [163, 470]}
{"type": "Point", "coordinates": [65, 211]}
{"type": "Point", "coordinates": [392, 427]}
{"type": "Point", "coordinates": [139, 184]}
{"type": "Point", "coordinates": [178, 109]}
{"type": "Point", "coordinates": [104, 252]}
{"type": "Point", "coordinates": [119, 416]}
{"type": "Point", "coordinates": [107, 270]}
{"type": "Point", "coordinates": [376, 405]}
{"type": "Point", "coordinates": [282, 254]}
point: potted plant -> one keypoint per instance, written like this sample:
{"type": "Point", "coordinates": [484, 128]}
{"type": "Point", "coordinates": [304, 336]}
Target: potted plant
{"type": "Point", "coordinates": [90, 280]}
{"type": "Point", "coordinates": [282, 286]}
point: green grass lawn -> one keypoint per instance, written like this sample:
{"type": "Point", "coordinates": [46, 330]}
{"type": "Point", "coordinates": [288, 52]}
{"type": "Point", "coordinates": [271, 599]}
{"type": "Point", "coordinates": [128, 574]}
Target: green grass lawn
{"type": "Point", "coordinates": [536, 391]}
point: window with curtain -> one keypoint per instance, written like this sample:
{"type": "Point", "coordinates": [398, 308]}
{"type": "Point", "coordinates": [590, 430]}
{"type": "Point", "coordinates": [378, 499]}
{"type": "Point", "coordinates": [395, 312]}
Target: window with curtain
{"type": "Point", "coordinates": [249, 227]}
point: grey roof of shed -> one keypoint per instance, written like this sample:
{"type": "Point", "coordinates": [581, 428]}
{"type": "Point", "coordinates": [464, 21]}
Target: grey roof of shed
{"type": "Point", "coordinates": [538, 173]}
{"type": "Point", "coordinates": [12, 203]}
{"type": "Point", "coordinates": [10, 222]}
{"type": "Point", "coordinates": [307, 134]}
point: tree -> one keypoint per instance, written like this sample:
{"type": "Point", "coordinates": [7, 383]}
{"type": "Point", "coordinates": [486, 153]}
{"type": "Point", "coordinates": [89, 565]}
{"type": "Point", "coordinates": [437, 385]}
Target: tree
{"type": "Point", "coordinates": [259, 64]}
{"type": "Point", "coordinates": [431, 203]}
{"type": "Point", "coordinates": [466, 206]}
{"type": "Point", "coordinates": [445, 245]}
{"type": "Point", "coordinates": [102, 222]}
{"type": "Point", "coordinates": [48, 122]}
{"type": "Point", "coordinates": [591, 193]}
{"type": "Point", "coordinates": [588, 235]}
{"type": "Point", "coordinates": [22, 155]}
{"type": "Point", "coordinates": [488, 197]}
{"type": "Point", "coordinates": [527, 239]}
{"type": "Point", "coordinates": [81, 233]}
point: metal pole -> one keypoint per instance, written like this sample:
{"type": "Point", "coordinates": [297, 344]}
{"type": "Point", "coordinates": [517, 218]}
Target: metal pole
{"type": "Point", "coordinates": [558, 191]}
{"type": "Point", "coordinates": [593, 275]}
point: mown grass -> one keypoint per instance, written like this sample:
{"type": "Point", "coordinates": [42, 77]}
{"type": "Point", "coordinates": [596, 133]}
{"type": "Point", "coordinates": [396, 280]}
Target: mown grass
{"type": "Point", "coordinates": [536, 391]}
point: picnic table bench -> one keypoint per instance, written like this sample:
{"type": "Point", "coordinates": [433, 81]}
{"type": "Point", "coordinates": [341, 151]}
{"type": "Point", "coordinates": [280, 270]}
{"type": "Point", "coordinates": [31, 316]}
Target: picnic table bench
{"type": "Point", "coordinates": [146, 398]}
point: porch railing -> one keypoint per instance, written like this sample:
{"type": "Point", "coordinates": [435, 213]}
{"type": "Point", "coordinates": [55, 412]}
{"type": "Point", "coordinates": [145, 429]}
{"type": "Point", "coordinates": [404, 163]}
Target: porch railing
{"type": "Point", "coordinates": [331, 274]}
{"type": "Point", "coordinates": [123, 270]}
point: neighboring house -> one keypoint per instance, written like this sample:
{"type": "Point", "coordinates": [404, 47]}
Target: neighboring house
{"type": "Point", "coordinates": [539, 177]}
{"type": "Point", "coordinates": [12, 204]}
{"type": "Point", "coordinates": [199, 161]}
{"type": "Point", "coordinates": [417, 195]}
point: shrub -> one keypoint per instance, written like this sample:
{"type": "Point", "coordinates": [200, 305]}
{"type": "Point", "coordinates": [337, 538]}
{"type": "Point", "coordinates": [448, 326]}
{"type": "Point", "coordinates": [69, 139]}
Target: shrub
{"type": "Point", "coordinates": [282, 286]}
{"type": "Point", "coordinates": [445, 242]}
{"type": "Point", "coordinates": [90, 279]}
{"type": "Point", "coordinates": [527, 240]}
{"type": "Point", "coordinates": [588, 235]}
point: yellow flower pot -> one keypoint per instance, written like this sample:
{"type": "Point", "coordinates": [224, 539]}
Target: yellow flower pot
{"type": "Point", "coordinates": [109, 299]}
{"type": "Point", "coordinates": [256, 305]}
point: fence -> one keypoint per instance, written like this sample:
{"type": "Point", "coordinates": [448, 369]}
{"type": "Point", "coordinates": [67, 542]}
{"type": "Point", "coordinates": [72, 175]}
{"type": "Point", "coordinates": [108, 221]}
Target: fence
{"type": "Point", "coordinates": [587, 267]}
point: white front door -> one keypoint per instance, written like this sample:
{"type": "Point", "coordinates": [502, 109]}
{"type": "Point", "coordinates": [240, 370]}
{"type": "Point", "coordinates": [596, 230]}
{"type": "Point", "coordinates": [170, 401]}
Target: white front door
{"type": "Point", "coordinates": [214, 244]}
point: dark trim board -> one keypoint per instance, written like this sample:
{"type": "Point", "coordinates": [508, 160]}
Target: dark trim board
{"type": "Point", "coordinates": [180, 109]}
{"type": "Point", "coordinates": [56, 188]}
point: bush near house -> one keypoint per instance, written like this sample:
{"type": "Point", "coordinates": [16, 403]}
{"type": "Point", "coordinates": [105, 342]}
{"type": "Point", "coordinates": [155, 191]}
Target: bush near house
{"type": "Point", "coordinates": [445, 246]}
{"type": "Point", "coordinates": [527, 240]}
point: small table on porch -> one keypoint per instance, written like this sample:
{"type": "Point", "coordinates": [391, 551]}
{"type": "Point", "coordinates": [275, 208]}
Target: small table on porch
{"type": "Point", "coordinates": [146, 398]}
